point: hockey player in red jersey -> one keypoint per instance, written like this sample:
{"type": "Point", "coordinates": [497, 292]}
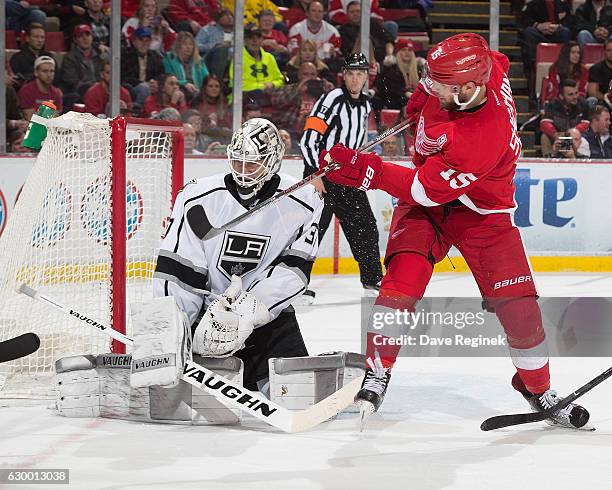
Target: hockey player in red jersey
{"type": "Point", "coordinates": [460, 193]}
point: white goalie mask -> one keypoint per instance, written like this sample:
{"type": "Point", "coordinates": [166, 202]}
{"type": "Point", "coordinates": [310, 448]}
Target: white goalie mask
{"type": "Point", "coordinates": [255, 153]}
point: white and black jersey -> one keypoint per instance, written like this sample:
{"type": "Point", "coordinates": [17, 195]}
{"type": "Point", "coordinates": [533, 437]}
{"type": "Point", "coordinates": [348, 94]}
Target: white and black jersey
{"type": "Point", "coordinates": [273, 250]}
{"type": "Point", "coordinates": [335, 118]}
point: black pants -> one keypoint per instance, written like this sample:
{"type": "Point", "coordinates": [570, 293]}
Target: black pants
{"type": "Point", "coordinates": [353, 210]}
{"type": "Point", "coordinates": [279, 338]}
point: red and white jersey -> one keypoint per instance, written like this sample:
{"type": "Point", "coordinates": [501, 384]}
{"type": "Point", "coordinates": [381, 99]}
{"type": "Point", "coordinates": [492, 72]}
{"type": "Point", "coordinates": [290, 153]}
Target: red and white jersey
{"type": "Point", "coordinates": [327, 39]}
{"type": "Point", "coordinates": [467, 155]}
{"type": "Point", "coordinates": [337, 10]}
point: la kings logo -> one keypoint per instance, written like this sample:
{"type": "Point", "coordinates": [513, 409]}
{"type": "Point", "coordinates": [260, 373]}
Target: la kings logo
{"type": "Point", "coordinates": [241, 253]}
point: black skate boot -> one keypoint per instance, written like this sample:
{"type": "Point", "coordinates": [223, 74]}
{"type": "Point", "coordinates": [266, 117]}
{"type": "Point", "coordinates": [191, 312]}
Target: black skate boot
{"type": "Point", "coordinates": [373, 389]}
{"type": "Point", "coordinates": [572, 417]}
{"type": "Point", "coordinates": [371, 290]}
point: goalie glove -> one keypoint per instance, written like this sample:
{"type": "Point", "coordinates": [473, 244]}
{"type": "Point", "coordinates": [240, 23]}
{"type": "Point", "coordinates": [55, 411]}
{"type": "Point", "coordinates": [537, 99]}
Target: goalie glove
{"type": "Point", "coordinates": [228, 322]}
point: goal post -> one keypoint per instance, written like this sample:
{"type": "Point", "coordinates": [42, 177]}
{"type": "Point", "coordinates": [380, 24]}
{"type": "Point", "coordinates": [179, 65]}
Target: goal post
{"type": "Point", "coordinates": [86, 227]}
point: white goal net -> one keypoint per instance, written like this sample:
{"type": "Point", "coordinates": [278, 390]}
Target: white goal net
{"type": "Point", "coordinates": [80, 236]}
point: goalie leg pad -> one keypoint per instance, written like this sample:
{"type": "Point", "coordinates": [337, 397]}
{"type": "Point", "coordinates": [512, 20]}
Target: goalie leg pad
{"type": "Point", "coordinates": [297, 383]}
{"type": "Point", "coordinates": [162, 342]}
{"type": "Point", "coordinates": [99, 386]}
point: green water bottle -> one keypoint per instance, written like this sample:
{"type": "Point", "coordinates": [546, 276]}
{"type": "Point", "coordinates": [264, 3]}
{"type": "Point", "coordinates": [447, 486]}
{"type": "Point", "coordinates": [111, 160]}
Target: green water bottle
{"type": "Point", "coordinates": [37, 132]}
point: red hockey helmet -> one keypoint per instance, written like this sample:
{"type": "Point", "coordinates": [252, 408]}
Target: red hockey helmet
{"type": "Point", "coordinates": [458, 60]}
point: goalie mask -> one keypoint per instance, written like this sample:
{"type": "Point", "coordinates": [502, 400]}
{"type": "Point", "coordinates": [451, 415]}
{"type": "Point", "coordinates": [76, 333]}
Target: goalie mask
{"type": "Point", "coordinates": [255, 154]}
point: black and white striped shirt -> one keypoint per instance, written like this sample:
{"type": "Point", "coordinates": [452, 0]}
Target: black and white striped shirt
{"type": "Point", "coordinates": [335, 118]}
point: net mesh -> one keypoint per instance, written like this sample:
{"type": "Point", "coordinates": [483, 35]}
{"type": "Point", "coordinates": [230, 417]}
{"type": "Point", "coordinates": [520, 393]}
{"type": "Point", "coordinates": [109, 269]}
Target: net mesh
{"type": "Point", "coordinates": [58, 240]}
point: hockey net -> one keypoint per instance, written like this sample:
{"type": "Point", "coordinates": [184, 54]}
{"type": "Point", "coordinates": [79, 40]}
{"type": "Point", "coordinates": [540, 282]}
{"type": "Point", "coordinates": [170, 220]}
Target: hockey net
{"type": "Point", "coordinates": [84, 230]}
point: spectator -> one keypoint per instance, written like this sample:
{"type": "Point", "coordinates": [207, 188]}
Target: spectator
{"type": "Point", "coordinates": [596, 141]}
{"type": "Point", "coordinates": [252, 9]}
{"type": "Point", "coordinates": [19, 15]}
{"type": "Point", "coordinates": [193, 117]}
{"type": "Point", "coordinates": [80, 67]}
{"type": "Point", "coordinates": [95, 17]}
{"type": "Point", "coordinates": [286, 139]}
{"type": "Point", "coordinates": [168, 114]}
{"type": "Point", "coordinates": [260, 75]}
{"type": "Point", "coordinates": [148, 15]}
{"type": "Point", "coordinates": [168, 94]}
{"type": "Point", "coordinates": [292, 103]}
{"type": "Point", "coordinates": [543, 21]}
{"type": "Point", "coordinates": [391, 147]}
{"type": "Point", "coordinates": [568, 66]}
{"type": "Point", "coordinates": [325, 36]}
{"type": "Point", "coordinates": [339, 16]}
{"type": "Point", "coordinates": [274, 41]}
{"type": "Point", "coordinates": [398, 77]}
{"type": "Point", "coordinates": [307, 52]}
{"type": "Point", "coordinates": [140, 66]}
{"type": "Point", "coordinates": [567, 145]}
{"type": "Point", "coordinates": [191, 15]}
{"type": "Point", "coordinates": [22, 62]}
{"type": "Point", "coordinates": [567, 111]}
{"type": "Point", "coordinates": [190, 140]}
{"type": "Point", "coordinates": [15, 120]}
{"type": "Point", "coordinates": [215, 42]}
{"type": "Point", "coordinates": [296, 13]}
{"type": "Point", "coordinates": [34, 92]}
{"type": "Point", "coordinates": [185, 63]}
{"type": "Point", "coordinates": [593, 21]}
{"type": "Point", "coordinates": [380, 40]}
{"type": "Point", "coordinates": [14, 142]}
{"type": "Point", "coordinates": [212, 105]}
{"type": "Point", "coordinates": [97, 96]}
{"type": "Point", "coordinates": [600, 74]}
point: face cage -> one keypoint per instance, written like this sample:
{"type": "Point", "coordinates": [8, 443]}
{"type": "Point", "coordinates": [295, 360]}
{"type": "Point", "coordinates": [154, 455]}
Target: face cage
{"type": "Point", "coordinates": [252, 178]}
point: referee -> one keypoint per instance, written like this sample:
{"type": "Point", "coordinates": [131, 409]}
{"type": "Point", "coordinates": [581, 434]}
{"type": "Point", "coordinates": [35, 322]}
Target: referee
{"type": "Point", "coordinates": [341, 116]}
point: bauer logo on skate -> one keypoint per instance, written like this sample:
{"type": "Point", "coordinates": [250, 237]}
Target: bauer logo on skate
{"type": "Point", "coordinates": [234, 393]}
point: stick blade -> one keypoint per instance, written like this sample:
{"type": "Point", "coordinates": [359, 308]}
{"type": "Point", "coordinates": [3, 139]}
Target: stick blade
{"type": "Point", "coordinates": [20, 346]}
{"type": "Point", "coordinates": [500, 421]}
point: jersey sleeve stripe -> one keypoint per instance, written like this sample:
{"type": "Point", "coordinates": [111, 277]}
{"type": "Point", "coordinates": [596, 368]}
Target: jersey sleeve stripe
{"type": "Point", "coordinates": [173, 270]}
{"type": "Point", "coordinates": [286, 299]}
{"type": "Point", "coordinates": [418, 192]}
{"type": "Point", "coordinates": [307, 206]}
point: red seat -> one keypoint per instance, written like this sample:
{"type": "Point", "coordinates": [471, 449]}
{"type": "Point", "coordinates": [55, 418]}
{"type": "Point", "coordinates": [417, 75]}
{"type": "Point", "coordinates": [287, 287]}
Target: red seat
{"type": "Point", "coordinates": [547, 52]}
{"type": "Point", "coordinates": [11, 40]}
{"type": "Point", "coordinates": [396, 14]}
{"type": "Point", "coordinates": [592, 53]}
{"type": "Point", "coordinates": [54, 41]}
{"type": "Point", "coordinates": [389, 117]}
{"type": "Point", "coordinates": [372, 122]}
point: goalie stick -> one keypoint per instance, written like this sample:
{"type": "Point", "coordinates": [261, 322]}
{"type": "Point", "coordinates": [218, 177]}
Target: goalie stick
{"type": "Point", "coordinates": [229, 392]}
{"type": "Point", "coordinates": [500, 421]}
{"type": "Point", "coordinates": [20, 346]}
{"type": "Point", "coordinates": [206, 230]}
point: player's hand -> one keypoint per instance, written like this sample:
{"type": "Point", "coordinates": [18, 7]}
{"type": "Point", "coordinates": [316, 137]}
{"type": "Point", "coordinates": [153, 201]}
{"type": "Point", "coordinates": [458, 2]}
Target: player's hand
{"type": "Point", "coordinates": [416, 102]}
{"type": "Point", "coordinates": [319, 186]}
{"type": "Point", "coordinates": [360, 170]}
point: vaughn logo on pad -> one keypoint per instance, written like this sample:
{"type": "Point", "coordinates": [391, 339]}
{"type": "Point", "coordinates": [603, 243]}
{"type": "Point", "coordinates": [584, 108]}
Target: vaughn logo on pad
{"type": "Point", "coordinates": [241, 253]}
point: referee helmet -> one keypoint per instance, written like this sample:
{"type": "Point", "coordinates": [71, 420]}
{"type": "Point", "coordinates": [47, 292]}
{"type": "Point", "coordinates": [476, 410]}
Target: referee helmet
{"type": "Point", "coordinates": [356, 61]}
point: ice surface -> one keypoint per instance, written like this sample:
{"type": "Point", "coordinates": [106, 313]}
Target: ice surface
{"type": "Point", "coordinates": [426, 436]}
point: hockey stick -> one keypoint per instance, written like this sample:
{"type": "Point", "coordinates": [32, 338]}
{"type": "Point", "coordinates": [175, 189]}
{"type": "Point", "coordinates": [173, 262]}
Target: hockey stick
{"type": "Point", "coordinates": [500, 421]}
{"type": "Point", "coordinates": [20, 346]}
{"type": "Point", "coordinates": [207, 231]}
{"type": "Point", "coordinates": [229, 392]}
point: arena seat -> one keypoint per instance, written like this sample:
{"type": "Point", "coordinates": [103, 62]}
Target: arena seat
{"type": "Point", "coordinates": [389, 117]}
{"type": "Point", "coordinates": [546, 55]}
{"type": "Point", "coordinates": [11, 40]}
{"type": "Point", "coordinates": [592, 53]}
{"type": "Point", "coordinates": [396, 14]}
{"type": "Point", "coordinates": [54, 41]}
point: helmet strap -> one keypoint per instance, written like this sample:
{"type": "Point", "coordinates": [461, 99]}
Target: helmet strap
{"type": "Point", "coordinates": [463, 105]}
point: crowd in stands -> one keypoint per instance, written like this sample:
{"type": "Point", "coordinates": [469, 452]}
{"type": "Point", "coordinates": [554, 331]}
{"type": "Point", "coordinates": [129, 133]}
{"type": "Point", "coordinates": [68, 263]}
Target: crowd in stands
{"type": "Point", "coordinates": [176, 61]}
{"type": "Point", "coordinates": [176, 55]}
{"type": "Point", "coordinates": [573, 95]}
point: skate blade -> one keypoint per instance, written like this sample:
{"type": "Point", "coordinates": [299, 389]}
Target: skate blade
{"type": "Point", "coordinates": [366, 409]}
{"type": "Point", "coordinates": [586, 428]}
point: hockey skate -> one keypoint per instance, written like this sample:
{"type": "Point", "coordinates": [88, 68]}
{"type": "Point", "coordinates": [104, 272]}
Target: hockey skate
{"type": "Point", "coordinates": [373, 389]}
{"type": "Point", "coordinates": [371, 290]}
{"type": "Point", "coordinates": [571, 417]}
